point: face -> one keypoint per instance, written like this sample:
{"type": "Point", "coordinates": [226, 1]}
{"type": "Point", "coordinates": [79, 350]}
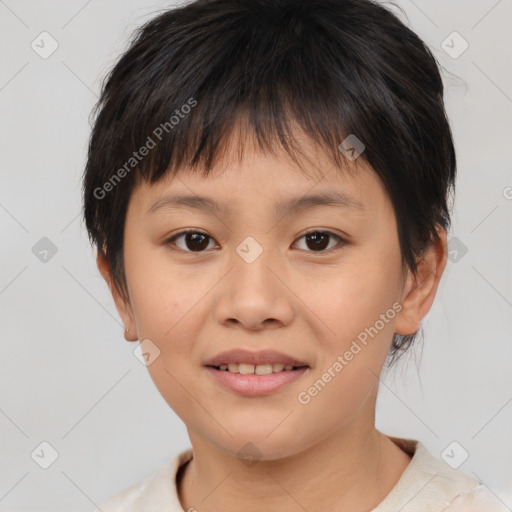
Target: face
{"type": "Point", "coordinates": [322, 284]}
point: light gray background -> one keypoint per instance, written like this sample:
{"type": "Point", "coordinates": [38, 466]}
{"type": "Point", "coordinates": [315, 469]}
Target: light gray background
{"type": "Point", "coordinates": [67, 375]}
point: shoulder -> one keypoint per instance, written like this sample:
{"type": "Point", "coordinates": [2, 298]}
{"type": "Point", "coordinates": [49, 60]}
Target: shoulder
{"type": "Point", "coordinates": [429, 484]}
{"type": "Point", "coordinates": [478, 499]}
{"type": "Point", "coordinates": [155, 492]}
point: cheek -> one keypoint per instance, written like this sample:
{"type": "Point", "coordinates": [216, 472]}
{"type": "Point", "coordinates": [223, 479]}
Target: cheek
{"type": "Point", "coordinates": [165, 307]}
{"type": "Point", "coordinates": [159, 297]}
{"type": "Point", "coordinates": [354, 298]}
{"type": "Point", "coordinates": [358, 309]}
{"type": "Point", "coordinates": [162, 301]}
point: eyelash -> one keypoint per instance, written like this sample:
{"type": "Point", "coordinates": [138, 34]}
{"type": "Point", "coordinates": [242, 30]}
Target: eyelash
{"type": "Point", "coordinates": [341, 241]}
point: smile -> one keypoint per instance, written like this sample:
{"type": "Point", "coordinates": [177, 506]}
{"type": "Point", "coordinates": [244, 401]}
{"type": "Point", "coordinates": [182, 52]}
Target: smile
{"type": "Point", "coordinates": [258, 369]}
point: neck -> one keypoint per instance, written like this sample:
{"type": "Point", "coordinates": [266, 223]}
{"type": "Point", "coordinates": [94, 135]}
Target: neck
{"type": "Point", "coordinates": [353, 469]}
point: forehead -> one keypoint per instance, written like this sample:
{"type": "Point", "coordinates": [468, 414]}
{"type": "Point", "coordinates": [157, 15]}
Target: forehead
{"type": "Point", "coordinates": [248, 173]}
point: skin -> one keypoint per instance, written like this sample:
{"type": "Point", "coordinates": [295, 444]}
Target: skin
{"type": "Point", "coordinates": [326, 455]}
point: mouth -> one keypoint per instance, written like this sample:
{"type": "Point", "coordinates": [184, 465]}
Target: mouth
{"type": "Point", "coordinates": [251, 380]}
{"type": "Point", "coordinates": [257, 369]}
{"type": "Point", "coordinates": [250, 373]}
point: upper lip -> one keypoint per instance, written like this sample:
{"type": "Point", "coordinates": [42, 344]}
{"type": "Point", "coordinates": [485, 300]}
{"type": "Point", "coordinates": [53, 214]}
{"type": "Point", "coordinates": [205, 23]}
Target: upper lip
{"type": "Point", "coordinates": [260, 357]}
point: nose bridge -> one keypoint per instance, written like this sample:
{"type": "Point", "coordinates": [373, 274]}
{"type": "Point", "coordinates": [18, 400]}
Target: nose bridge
{"type": "Point", "coordinates": [252, 262]}
{"type": "Point", "coordinates": [252, 293]}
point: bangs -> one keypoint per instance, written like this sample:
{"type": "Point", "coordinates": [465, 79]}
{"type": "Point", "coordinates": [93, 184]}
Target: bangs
{"type": "Point", "coordinates": [269, 87]}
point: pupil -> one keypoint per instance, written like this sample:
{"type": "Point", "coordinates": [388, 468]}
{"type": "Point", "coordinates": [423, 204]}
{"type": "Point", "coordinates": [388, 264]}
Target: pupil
{"type": "Point", "coordinates": [198, 241]}
{"type": "Point", "coordinates": [196, 238]}
{"type": "Point", "coordinates": [320, 240]}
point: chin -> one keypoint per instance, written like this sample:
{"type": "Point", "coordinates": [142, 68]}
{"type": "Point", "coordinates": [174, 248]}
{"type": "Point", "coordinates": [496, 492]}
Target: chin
{"type": "Point", "coordinates": [257, 446]}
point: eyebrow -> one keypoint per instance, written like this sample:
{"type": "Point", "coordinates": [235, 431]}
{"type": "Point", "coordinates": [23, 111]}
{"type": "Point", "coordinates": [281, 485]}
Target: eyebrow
{"type": "Point", "coordinates": [288, 206]}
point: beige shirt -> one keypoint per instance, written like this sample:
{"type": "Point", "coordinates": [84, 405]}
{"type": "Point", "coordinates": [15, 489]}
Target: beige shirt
{"type": "Point", "coordinates": [427, 485]}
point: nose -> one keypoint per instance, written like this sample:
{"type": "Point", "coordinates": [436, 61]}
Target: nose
{"type": "Point", "coordinates": [254, 295]}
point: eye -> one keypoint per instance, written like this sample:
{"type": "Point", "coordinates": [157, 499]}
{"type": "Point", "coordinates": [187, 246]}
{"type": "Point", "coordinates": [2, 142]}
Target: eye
{"type": "Point", "coordinates": [194, 241]}
{"type": "Point", "coordinates": [319, 240]}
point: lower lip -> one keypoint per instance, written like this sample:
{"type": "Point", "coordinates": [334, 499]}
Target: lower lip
{"type": "Point", "coordinates": [256, 385]}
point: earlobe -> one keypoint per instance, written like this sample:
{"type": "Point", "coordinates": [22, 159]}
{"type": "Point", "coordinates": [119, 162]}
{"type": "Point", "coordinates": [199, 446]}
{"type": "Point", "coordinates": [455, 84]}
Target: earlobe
{"type": "Point", "coordinates": [123, 305]}
{"type": "Point", "coordinates": [421, 287]}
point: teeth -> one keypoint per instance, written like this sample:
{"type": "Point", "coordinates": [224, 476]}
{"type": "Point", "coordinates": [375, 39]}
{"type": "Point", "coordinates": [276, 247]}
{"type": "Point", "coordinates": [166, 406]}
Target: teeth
{"type": "Point", "coordinates": [245, 368]}
{"type": "Point", "coordinates": [258, 369]}
{"type": "Point", "coordinates": [263, 369]}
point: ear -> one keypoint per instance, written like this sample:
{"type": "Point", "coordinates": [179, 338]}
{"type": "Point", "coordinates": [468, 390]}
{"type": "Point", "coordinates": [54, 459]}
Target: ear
{"type": "Point", "coordinates": [421, 287]}
{"type": "Point", "coordinates": [123, 305]}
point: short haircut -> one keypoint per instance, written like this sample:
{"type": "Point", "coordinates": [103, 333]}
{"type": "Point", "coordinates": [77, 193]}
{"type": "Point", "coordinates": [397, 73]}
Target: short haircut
{"type": "Point", "coordinates": [331, 67]}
